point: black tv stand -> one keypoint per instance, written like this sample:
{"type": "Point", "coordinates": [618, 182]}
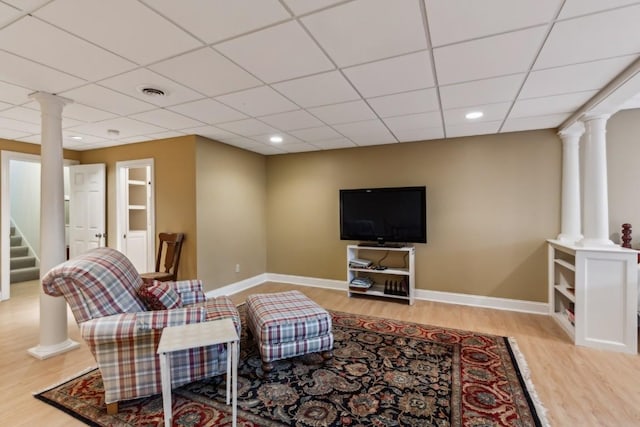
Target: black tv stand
{"type": "Point", "coordinates": [381, 245]}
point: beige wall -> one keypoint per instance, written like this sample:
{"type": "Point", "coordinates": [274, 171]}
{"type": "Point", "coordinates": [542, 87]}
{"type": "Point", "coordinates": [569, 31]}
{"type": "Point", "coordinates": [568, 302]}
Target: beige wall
{"type": "Point", "coordinates": [175, 189]}
{"type": "Point", "coordinates": [623, 170]}
{"type": "Point", "coordinates": [231, 218]}
{"type": "Point", "coordinates": [492, 202]}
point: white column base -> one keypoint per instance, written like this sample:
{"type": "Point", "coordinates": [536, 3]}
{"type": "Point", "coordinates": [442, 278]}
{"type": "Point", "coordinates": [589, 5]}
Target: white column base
{"type": "Point", "coordinates": [595, 243]}
{"type": "Point", "coordinates": [569, 238]}
{"type": "Point", "coordinates": [46, 351]}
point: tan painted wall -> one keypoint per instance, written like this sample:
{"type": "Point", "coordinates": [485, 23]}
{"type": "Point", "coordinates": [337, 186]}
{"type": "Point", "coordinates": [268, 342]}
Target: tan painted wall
{"type": "Point", "coordinates": [623, 170]}
{"type": "Point", "coordinates": [492, 202]}
{"type": "Point", "coordinates": [231, 217]}
{"type": "Point", "coordinates": [174, 177]}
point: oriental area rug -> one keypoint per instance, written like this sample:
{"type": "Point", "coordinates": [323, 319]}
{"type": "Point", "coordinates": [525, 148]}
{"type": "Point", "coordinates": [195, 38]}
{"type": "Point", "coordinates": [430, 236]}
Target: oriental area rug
{"type": "Point", "coordinates": [383, 373]}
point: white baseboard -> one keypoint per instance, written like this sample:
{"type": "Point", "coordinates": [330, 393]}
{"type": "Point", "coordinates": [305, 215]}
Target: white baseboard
{"type": "Point", "coordinates": [437, 296]}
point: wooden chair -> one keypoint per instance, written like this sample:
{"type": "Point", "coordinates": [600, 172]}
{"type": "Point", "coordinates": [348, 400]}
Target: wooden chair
{"type": "Point", "coordinates": [173, 244]}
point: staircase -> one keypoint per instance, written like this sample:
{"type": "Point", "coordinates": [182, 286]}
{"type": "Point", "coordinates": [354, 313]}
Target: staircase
{"type": "Point", "coordinates": [23, 265]}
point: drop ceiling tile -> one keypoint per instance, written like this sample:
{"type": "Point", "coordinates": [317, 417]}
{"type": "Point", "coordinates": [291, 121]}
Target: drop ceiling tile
{"type": "Point", "coordinates": [470, 129]}
{"type": "Point", "coordinates": [321, 89]}
{"type": "Point", "coordinates": [299, 148]}
{"type": "Point", "coordinates": [492, 112]}
{"type": "Point", "coordinates": [419, 134]}
{"type": "Point", "coordinates": [26, 5]}
{"type": "Point", "coordinates": [60, 50]}
{"type": "Point", "coordinates": [23, 114]}
{"type": "Point", "coordinates": [247, 127]}
{"type": "Point", "coordinates": [409, 72]}
{"type": "Point", "coordinates": [573, 78]}
{"type": "Point", "coordinates": [278, 53]}
{"type": "Point", "coordinates": [258, 101]}
{"type": "Point", "coordinates": [4, 106]}
{"type": "Point", "coordinates": [580, 40]}
{"type": "Point", "coordinates": [204, 20]}
{"type": "Point", "coordinates": [8, 14]}
{"type": "Point", "coordinates": [369, 132]}
{"type": "Point", "coordinates": [486, 91]}
{"type": "Point", "coordinates": [165, 135]}
{"type": "Point", "coordinates": [343, 113]}
{"type": "Point", "coordinates": [18, 135]}
{"type": "Point", "coordinates": [417, 101]}
{"type": "Point", "coordinates": [455, 21]}
{"type": "Point", "coordinates": [368, 30]}
{"type": "Point", "coordinates": [567, 103]}
{"type": "Point", "coordinates": [18, 125]}
{"type": "Point", "coordinates": [414, 121]}
{"type": "Point", "coordinates": [128, 140]}
{"type": "Point", "coordinates": [316, 134]}
{"type": "Point", "coordinates": [206, 71]}
{"type": "Point", "coordinates": [242, 142]}
{"type": "Point", "coordinates": [478, 59]}
{"type": "Point", "coordinates": [85, 113]}
{"type": "Point", "coordinates": [127, 28]}
{"type": "Point", "coordinates": [22, 72]}
{"type": "Point", "coordinates": [267, 151]}
{"type": "Point", "coordinates": [167, 119]}
{"type": "Point", "coordinates": [106, 99]}
{"type": "Point", "coordinates": [538, 122]}
{"type": "Point", "coordinates": [86, 139]}
{"type": "Point", "coordinates": [300, 7]}
{"type": "Point", "coordinates": [13, 94]}
{"type": "Point", "coordinates": [208, 111]}
{"type": "Point", "coordinates": [131, 83]}
{"type": "Point", "coordinates": [127, 128]}
{"type": "Point", "coordinates": [210, 132]}
{"type": "Point", "coordinates": [573, 8]}
{"type": "Point", "coordinates": [292, 120]}
{"type": "Point", "coordinates": [332, 144]}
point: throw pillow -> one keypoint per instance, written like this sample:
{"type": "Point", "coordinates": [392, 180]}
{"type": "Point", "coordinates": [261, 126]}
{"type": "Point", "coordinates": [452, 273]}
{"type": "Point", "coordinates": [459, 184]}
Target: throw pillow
{"type": "Point", "coordinates": [159, 296]}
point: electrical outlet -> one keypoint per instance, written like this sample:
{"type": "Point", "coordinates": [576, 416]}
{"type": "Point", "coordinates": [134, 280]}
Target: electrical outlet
{"type": "Point", "coordinates": [237, 268]}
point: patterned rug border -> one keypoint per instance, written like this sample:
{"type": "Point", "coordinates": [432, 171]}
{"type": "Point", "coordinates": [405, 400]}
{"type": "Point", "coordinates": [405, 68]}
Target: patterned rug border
{"type": "Point", "coordinates": [539, 411]}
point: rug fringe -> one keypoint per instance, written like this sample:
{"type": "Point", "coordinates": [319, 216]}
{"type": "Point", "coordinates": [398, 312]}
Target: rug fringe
{"type": "Point", "coordinates": [66, 380]}
{"type": "Point", "coordinates": [526, 375]}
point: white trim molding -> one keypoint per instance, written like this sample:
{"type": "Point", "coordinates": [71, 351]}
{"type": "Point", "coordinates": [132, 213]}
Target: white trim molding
{"type": "Point", "coordinates": [341, 285]}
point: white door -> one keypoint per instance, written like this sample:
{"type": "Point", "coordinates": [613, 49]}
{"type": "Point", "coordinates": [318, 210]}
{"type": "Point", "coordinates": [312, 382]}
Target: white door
{"type": "Point", "coordinates": [86, 208]}
{"type": "Point", "coordinates": [135, 212]}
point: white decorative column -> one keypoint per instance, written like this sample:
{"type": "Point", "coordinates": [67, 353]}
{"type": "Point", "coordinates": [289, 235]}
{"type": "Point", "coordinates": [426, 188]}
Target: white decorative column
{"type": "Point", "coordinates": [53, 310]}
{"type": "Point", "coordinates": [570, 209]}
{"type": "Point", "coordinates": [596, 201]}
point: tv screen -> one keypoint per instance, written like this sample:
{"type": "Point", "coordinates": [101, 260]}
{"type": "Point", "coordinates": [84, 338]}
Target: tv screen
{"type": "Point", "coordinates": [384, 215]}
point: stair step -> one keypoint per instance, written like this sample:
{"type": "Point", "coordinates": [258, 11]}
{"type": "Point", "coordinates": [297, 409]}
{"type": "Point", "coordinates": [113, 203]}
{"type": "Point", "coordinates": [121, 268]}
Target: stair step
{"type": "Point", "coordinates": [24, 274]}
{"type": "Point", "coordinates": [16, 251]}
{"type": "Point", "coordinates": [15, 240]}
{"type": "Point", "coordinates": [12, 231]}
{"type": "Point", "coordinates": [22, 262]}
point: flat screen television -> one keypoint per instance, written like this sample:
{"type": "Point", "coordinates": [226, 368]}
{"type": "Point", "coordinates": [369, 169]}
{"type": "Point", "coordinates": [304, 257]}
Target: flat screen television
{"type": "Point", "coordinates": [392, 215]}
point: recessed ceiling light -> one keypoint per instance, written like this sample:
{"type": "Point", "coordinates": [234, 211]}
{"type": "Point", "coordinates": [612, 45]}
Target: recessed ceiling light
{"type": "Point", "coordinates": [151, 91]}
{"type": "Point", "coordinates": [113, 133]}
{"type": "Point", "coordinates": [77, 138]}
{"type": "Point", "coordinates": [276, 139]}
{"type": "Point", "coordinates": [474, 115]}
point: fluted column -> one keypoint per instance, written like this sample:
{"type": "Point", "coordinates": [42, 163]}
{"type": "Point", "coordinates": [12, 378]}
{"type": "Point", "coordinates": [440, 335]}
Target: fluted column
{"type": "Point", "coordinates": [596, 200]}
{"type": "Point", "coordinates": [53, 310]}
{"type": "Point", "coordinates": [570, 209]}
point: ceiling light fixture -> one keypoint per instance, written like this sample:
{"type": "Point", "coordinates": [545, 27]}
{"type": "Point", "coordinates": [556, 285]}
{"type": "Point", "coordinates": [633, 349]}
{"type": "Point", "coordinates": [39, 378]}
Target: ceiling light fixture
{"type": "Point", "coordinates": [113, 133]}
{"type": "Point", "coordinates": [77, 138]}
{"type": "Point", "coordinates": [276, 139]}
{"type": "Point", "coordinates": [474, 115]}
{"type": "Point", "coordinates": [151, 91]}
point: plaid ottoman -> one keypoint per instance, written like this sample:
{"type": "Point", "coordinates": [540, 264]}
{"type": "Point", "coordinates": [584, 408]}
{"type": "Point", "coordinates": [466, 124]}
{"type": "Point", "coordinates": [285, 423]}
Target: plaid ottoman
{"type": "Point", "coordinates": [288, 324]}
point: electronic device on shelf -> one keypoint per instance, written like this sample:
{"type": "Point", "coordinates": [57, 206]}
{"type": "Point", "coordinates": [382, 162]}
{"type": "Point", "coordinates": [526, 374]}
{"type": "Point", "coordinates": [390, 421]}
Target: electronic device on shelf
{"type": "Point", "coordinates": [359, 263]}
{"type": "Point", "coordinates": [361, 282]}
{"type": "Point", "coordinates": [385, 216]}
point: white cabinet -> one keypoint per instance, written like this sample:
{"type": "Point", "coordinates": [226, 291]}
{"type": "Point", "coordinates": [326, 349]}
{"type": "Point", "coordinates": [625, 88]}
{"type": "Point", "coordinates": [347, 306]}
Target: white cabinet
{"type": "Point", "coordinates": [593, 295]}
{"type": "Point", "coordinates": [391, 273]}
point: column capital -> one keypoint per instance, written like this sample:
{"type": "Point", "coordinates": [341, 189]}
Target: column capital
{"type": "Point", "coordinates": [587, 117]}
{"type": "Point", "coordinates": [47, 100]}
{"type": "Point", "coordinates": [575, 130]}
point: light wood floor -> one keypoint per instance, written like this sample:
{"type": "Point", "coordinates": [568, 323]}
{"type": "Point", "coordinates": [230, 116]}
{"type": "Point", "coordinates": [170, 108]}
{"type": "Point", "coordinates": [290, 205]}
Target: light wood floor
{"type": "Point", "coordinates": [578, 386]}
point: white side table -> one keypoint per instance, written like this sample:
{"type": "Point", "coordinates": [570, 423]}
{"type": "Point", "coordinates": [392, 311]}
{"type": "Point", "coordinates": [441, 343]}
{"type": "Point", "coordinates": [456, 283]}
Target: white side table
{"type": "Point", "coordinates": [194, 335]}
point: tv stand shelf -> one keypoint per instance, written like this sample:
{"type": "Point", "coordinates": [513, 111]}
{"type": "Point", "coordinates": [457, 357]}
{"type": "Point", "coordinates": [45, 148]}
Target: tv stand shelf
{"type": "Point", "coordinates": [398, 277]}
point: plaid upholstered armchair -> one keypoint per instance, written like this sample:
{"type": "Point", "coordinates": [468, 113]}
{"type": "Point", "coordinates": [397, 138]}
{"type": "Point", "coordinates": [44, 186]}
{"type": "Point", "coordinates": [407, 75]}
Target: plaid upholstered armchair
{"type": "Point", "coordinates": [107, 297]}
